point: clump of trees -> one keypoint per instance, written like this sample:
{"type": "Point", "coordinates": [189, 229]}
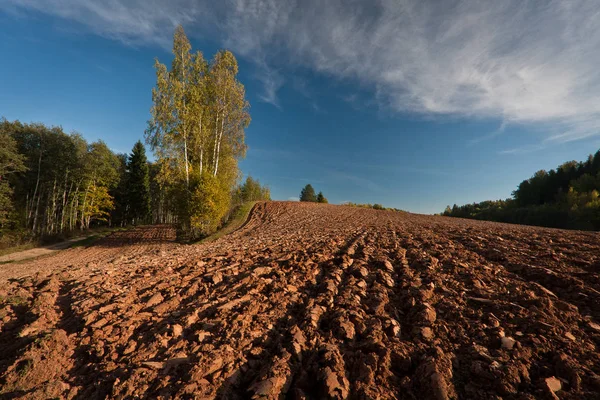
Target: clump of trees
{"type": "Point", "coordinates": [196, 131]}
{"type": "Point", "coordinates": [251, 190]}
{"type": "Point", "coordinates": [308, 194]}
{"type": "Point", "coordinates": [565, 197]}
{"type": "Point", "coordinates": [375, 206]}
{"type": "Point", "coordinates": [52, 183]}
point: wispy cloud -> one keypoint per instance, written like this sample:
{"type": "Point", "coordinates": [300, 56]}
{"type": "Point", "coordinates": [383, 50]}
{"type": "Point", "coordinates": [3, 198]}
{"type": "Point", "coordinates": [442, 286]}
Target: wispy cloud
{"type": "Point", "coordinates": [528, 62]}
{"type": "Point", "coordinates": [355, 179]}
{"type": "Point", "coordinates": [489, 136]}
{"type": "Point", "coordinates": [523, 149]}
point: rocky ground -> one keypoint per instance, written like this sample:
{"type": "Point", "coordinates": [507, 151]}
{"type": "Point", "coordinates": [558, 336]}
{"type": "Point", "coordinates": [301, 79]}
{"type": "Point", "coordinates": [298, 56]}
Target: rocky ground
{"type": "Point", "coordinates": [310, 301]}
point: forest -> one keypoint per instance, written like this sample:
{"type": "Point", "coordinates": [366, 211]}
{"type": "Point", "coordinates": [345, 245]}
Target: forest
{"type": "Point", "coordinates": [54, 183]}
{"type": "Point", "coordinates": [565, 197]}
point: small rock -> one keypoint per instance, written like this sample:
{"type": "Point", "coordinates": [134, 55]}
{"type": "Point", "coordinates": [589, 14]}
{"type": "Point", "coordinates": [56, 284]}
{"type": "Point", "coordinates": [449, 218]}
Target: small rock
{"type": "Point", "coordinates": [130, 347]}
{"type": "Point", "coordinates": [495, 365]}
{"type": "Point", "coordinates": [261, 271]}
{"type": "Point", "coordinates": [388, 265]}
{"type": "Point", "coordinates": [216, 278]}
{"type": "Point", "coordinates": [335, 388]}
{"type": "Point", "coordinates": [177, 330]}
{"type": "Point", "coordinates": [392, 327]}
{"type": "Point", "coordinates": [100, 323]}
{"type": "Point", "coordinates": [594, 326]}
{"type": "Point", "coordinates": [508, 342]}
{"type": "Point", "coordinates": [428, 314]}
{"type": "Point", "coordinates": [427, 332]}
{"type": "Point", "coordinates": [215, 366]}
{"type": "Point", "coordinates": [553, 384]}
{"type": "Point", "coordinates": [154, 300]}
{"type": "Point", "coordinates": [202, 335]}
{"type": "Point", "coordinates": [388, 281]}
{"type": "Point", "coordinates": [269, 388]}
{"type": "Point", "coordinates": [347, 329]}
{"type": "Point", "coordinates": [153, 364]}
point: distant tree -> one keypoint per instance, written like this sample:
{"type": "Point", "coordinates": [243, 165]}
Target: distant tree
{"type": "Point", "coordinates": [252, 190]}
{"type": "Point", "coordinates": [308, 194]}
{"type": "Point", "coordinates": [138, 184]}
{"type": "Point", "coordinates": [448, 211]}
{"type": "Point", "coordinates": [321, 198]}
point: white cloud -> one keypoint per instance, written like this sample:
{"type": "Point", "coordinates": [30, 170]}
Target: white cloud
{"type": "Point", "coordinates": [522, 61]}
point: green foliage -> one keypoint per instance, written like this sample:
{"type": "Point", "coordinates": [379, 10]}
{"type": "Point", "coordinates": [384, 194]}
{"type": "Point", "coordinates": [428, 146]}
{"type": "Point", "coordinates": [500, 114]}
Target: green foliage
{"type": "Point", "coordinates": [308, 194]}
{"type": "Point", "coordinates": [138, 184]}
{"type": "Point", "coordinates": [61, 174]}
{"type": "Point", "coordinates": [52, 183]}
{"type": "Point", "coordinates": [251, 191]}
{"type": "Point", "coordinates": [565, 197]}
{"type": "Point", "coordinates": [197, 124]}
{"type": "Point", "coordinates": [10, 162]}
{"type": "Point", "coordinates": [373, 206]}
{"type": "Point", "coordinates": [210, 203]}
{"type": "Point", "coordinates": [321, 198]}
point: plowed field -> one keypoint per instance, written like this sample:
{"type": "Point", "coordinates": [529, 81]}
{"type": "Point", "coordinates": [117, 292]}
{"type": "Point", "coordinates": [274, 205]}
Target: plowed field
{"type": "Point", "coordinates": [309, 301]}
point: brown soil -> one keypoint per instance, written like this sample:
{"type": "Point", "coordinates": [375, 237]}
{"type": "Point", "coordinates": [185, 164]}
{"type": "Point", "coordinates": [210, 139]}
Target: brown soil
{"type": "Point", "coordinates": [310, 301]}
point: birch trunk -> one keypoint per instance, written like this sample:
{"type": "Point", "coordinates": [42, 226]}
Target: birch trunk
{"type": "Point", "coordinates": [37, 184]}
{"type": "Point", "coordinates": [219, 143]}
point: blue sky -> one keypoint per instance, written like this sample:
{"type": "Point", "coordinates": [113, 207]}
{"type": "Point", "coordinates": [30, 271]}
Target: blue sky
{"type": "Point", "coordinates": [414, 106]}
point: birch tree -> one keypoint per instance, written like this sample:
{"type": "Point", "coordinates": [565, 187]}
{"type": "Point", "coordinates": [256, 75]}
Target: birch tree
{"type": "Point", "coordinates": [197, 124]}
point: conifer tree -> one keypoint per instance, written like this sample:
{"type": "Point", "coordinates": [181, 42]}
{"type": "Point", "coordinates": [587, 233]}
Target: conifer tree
{"type": "Point", "coordinates": [308, 194]}
{"type": "Point", "coordinates": [321, 198]}
{"type": "Point", "coordinates": [138, 183]}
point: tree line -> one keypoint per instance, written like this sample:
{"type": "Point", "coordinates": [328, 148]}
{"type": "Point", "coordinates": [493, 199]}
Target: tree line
{"type": "Point", "coordinates": [565, 197]}
{"type": "Point", "coordinates": [53, 183]}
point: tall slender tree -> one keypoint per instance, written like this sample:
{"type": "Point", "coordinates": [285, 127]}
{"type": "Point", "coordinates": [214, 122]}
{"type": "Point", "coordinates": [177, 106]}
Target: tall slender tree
{"type": "Point", "coordinates": [138, 184]}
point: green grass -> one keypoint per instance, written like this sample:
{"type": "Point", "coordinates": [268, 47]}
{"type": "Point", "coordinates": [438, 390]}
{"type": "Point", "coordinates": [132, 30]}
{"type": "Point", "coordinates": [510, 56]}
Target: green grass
{"type": "Point", "coordinates": [237, 219]}
{"type": "Point", "coordinates": [95, 235]}
{"type": "Point", "coordinates": [15, 249]}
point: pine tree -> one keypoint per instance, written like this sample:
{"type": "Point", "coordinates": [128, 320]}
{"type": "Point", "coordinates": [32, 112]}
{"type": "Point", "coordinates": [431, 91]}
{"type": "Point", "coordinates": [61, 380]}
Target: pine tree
{"type": "Point", "coordinates": [321, 198]}
{"type": "Point", "coordinates": [138, 183]}
{"type": "Point", "coordinates": [308, 194]}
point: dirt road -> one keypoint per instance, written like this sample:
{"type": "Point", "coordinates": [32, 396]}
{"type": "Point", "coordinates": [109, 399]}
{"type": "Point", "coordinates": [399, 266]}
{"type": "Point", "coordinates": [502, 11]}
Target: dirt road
{"type": "Point", "coordinates": [310, 301]}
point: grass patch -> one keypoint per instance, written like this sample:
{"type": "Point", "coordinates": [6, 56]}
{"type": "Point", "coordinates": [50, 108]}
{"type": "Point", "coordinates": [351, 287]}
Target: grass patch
{"type": "Point", "coordinates": [15, 249]}
{"type": "Point", "coordinates": [88, 241]}
{"type": "Point", "coordinates": [238, 217]}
